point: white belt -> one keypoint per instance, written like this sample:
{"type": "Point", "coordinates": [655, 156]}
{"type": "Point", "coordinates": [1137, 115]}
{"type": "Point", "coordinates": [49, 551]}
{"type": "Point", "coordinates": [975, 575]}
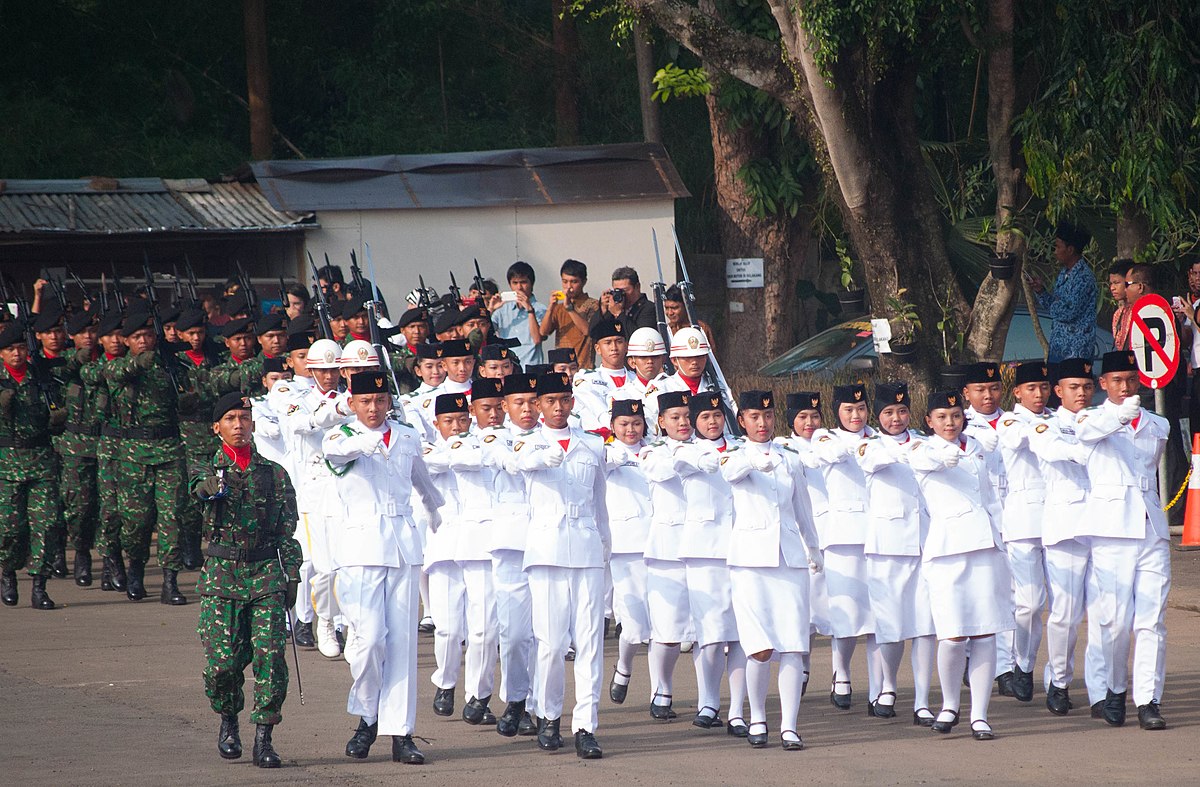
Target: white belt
{"type": "Point", "coordinates": [576, 511]}
{"type": "Point", "coordinates": [391, 508]}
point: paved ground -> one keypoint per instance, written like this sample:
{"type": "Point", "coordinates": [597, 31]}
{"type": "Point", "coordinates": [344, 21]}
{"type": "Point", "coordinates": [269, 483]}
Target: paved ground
{"type": "Point", "coordinates": [103, 691]}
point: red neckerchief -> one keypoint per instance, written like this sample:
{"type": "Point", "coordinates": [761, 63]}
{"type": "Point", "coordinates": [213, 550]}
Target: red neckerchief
{"type": "Point", "coordinates": [355, 336]}
{"type": "Point", "coordinates": [267, 355]}
{"type": "Point", "coordinates": [234, 358]}
{"type": "Point", "coordinates": [18, 376]}
{"type": "Point", "coordinates": [643, 381]}
{"type": "Point", "coordinates": [49, 355]}
{"type": "Point", "coordinates": [962, 444]}
{"type": "Point", "coordinates": [721, 448]}
{"type": "Point", "coordinates": [195, 356]}
{"type": "Point", "coordinates": [565, 444]}
{"type": "Point", "coordinates": [412, 349]}
{"type": "Point", "coordinates": [617, 381]}
{"type": "Point", "coordinates": [1134, 422]}
{"type": "Point", "coordinates": [240, 456]}
{"type": "Point", "coordinates": [993, 423]}
{"type": "Point", "coordinates": [387, 437]}
{"type": "Point", "coordinates": [693, 386]}
{"type": "Point", "coordinates": [108, 357]}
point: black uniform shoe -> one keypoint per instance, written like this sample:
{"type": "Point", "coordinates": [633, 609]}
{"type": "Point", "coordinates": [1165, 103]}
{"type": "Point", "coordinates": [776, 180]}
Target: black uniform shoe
{"type": "Point", "coordinates": [1022, 685]}
{"type": "Point", "coordinates": [509, 722]}
{"type": "Point", "coordinates": [586, 747]}
{"type": "Point", "coordinates": [944, 725]}
{"type": "Point", "coordinates": [706, 721]}
{"type": "Point", "coordinates": [135, 589]}
{"type": "Point", "coordinates": [170, 590]}
{"type": "Point", "coordinates": [548, 737]}
{"type": "Point", "coordinates": [1098, 710]}
{"type": "Point", "coordinates": [8, 588]}
{"type": "Point", "coordinates": [443, 702]}
{"type": "Point", "coordinates": [476, 711]}
{"type": "Point", "coordinates": [304, 636]}
{"type": "Point", "coordinates": [264, 753]}
{"type": "Point", "coordinates": [1057, 701]}
{"type": "Point", "coordinates": [426, 625]}
{"type": "Point", "coordinates": [229, 744]}
{"type": "Point", "coordinates": [757, 740]}
{"type": "Point", "coordinates": [527, 726]}
{"type": "Point", "coordinates": [881, 711]}
{"type": "Point", "coordinates": [841, 701]}
{"type": "Point", "coordinates": [1114, 709]}
{"type": "Point", "coordinates": [83, 568]}
{"type": "Point", "coordinates": [660, 711]}
{"type": "Point", "coordinates": [58, 568]}
{"type": "Point", "coordinates": [405, 751]}
{"type": "Point", "coordinates": [788, 743]}
{"type": "Point", "coordinates": [359, 745]}
{"type": "Point", "coordinates": [618, 691]}
{"type": "Point", "coordinates": [39, 599]}
{"type": "Point", "coordinates": [117, 567]}
{"type": "Point", "coordinates": [920, 720]}
{"type": "Point", "coordinates": [982, 731]}
{"type": "Point", "coordinates": [1004, 684]}
{"type": "Point", "coordinates": [737, 727]}
{"type": "Point", "coordinates": [1150, 718]}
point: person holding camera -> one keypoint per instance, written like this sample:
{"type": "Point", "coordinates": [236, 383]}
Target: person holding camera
{"type": "Point", "coordinates": [521, 318]}
{"type": "Point", "coordinates": [570, 310]}
{"type": "Point", "coordinates": [626, 301]}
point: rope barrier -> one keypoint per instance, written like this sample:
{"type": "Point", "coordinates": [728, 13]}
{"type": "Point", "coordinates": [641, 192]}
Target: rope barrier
{"type": "Point", "coordinates": [1179, 494]}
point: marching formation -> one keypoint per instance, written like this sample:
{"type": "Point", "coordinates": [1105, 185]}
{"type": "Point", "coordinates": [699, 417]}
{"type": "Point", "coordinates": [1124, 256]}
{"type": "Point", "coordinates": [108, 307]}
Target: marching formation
{"type": "Point", "coordinates": [355, 481]}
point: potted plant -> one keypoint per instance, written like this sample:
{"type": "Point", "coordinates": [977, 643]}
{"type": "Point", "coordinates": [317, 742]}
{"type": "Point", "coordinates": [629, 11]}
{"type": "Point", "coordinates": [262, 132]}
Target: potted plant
{"type": "Point", "coordinates": [952, 376]}
{"type": "Point", "coordinates": [853, 299]}
{"type": "Point", "coordinates": [905, 324]}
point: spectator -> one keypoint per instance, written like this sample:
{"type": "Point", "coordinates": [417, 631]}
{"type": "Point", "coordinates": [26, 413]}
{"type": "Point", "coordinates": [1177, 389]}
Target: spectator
{"type": "Point", "coordinates": [568, 318]}
{"type": "Point", "coordinates": [1190, 337]}
{"type": "Point", "coordinates": [297, 300]}
{"type": "Point", "coordinates": [677, 315]}
{"type": "Point", "coordinates": [521, 319]}
{"type": "Point", "coordinates": [1118, 283]}
{"type": "Point", "coordinates": [634, 307]}
{"type": "Point", "coordinates": [332, 283]}
{"type": "Point", "coordinates": [1072, 304]}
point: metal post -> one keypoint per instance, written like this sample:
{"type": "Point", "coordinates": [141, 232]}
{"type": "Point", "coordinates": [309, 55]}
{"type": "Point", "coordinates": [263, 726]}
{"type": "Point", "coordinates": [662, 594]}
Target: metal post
{"type": "Point", "coordinates": [1164, 490]}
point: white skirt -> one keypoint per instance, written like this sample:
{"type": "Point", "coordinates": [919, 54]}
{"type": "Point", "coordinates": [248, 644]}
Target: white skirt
{"type": "Point", "coordinates": [969, 594]}
{"type": "Point", "coordinates": [629, 597]}
{"type": "Point", "coordinates": [846, 583]}
{"type": "Point", "coordinates": [771, 608]}
{"type": "Point", "coordinates": [818, 604]}
{"type": "Point", "coordinates": [667, 601]}
{"type": "Point", "coordinates": [711, 601]}
{"type": "Point", "coordinates": [899, 598]}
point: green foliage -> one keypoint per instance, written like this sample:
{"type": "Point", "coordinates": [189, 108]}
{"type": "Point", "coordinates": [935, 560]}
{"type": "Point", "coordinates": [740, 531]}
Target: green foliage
{"type": "Point", "coordinates": [671, 81]}
{"type": "Point", "coordinates": [904, 311]}
{"type": "Point", "coordinates": [845, 263]}
{"type": "Point", "coordinates": [883, 29]}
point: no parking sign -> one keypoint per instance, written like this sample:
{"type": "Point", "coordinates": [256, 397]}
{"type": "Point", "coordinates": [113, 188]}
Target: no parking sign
{"type": "Point", "coordinates": [1153, 340]}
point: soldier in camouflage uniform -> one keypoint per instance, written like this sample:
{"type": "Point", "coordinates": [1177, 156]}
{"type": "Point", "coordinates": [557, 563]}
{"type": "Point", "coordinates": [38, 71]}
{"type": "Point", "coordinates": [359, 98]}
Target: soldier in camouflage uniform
{"type": "Point", "coordinates": [30, 515]}
{"type": "Point", "coordinates": [242, 369]}
{"type": "Point", "coordinates": [195, 428]}
{"type": "Point", "coordinates": [76, 447]}
{"type": "Point", "coordinates": [249, 580]}
{"type": "Point", "coordinates": [108, 529]}
{"type": "Point", "coordinates": [149, 456]}
{"type": "Point", "coordinates": [51, 340]}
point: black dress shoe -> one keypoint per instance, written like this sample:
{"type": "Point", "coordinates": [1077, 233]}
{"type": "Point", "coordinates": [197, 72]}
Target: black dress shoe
{"type": "Point", "coordinates": [509, 722]}
{"type": "Point", "coordinates": [1058, 701]}
{"type": "Point", "coordinates": [788, 743]}
{"type": "Point", "coordinates": [757, 740]}
{"type": "Point", "coordinates": [586, 747]}
{"type": "Point", "coordinates": [135, 587]}
{"type": "Point", "coordinates": [923, 721]}
{"type": "Point", "coordinates": [405, 751]}
{"type": "Point", "coordinates": [527, 726]}
{"type": "Point", "coordinates": [944, 726]}
{"type": "Point", "coordinates": [705, 721]}
{"type": "Point", "coordinates": [170, 589]}
{"type": "Point", "coordinates": [229, 744]}
{"type": "Point", "coordinates": [618, 691]}
{"type": "Point", "coordinates": [1004, 684]}
{"type": "Point", "coordinates": [841, 701]}
{"type": "Point", "coordinates": [982, 731]}
{"type": "Point", "coordinates": [8, 588]}
{"type": "Point", "coordinates": [881, 711]}
{"type": "Point", "coordinates": [1022, 685]}
{"type": "Point", "coordinates": [476, 711]}
{"type": "Point", "coordinates": [548, 738]}
{"type": "Point", "coordinates": [359, 745]}
{"type": "Point", "coordinates": [83, 568]}
{"type": "Point", "coordinates": [304, 636]}
{"type": "Point", "coordinates": [443, 702]}
{"type": "Point", "coordinates": [264, 753]}
{"type": "Point", "coordinates": [58, 568]}
{"type": "Point", "coordinates": [660, 711]}
{"type": "Point", "coordinates": [1150, 718]}
{"type": "Point", "coordinates": [39, 599]}
{"type": "Point", "coordinates": [1114, 709]}
{"type": "Point", "coordinates": [737, 727]}
{"type": "Point", "coordinates": [426, 625]}
{"type": "Point", "coordinates": [1098, 710]}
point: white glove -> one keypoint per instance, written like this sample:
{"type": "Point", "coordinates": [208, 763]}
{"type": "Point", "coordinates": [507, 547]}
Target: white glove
{"type": "Point", "coordinates": [1129, 409]}
{"type": "Point", "coordinates": [760, 461]}
{"type": "Point", "coordinates": [708, 462]}
{"type": "Point", "coordinates": [986, 437]}
{"type": "Point", "coordinates": [553, 457]}
{"type": "Point", "coordinates": [1080, 453]}
{"type": "Point", "coordinates": [369, 442]}
{"type": "Point", "coordinates": [435, 519]}
{"type": "Point", "coordinates": [950, 455]}
{"type": "Point", "coordinates": [816, 562]}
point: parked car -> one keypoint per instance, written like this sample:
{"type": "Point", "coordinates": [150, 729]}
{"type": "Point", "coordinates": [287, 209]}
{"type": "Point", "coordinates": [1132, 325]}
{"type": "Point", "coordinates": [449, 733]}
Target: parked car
{"type": "Point", "coordinates": [848, 345]}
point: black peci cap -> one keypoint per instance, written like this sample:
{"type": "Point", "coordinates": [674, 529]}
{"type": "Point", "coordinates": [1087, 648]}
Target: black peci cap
{"type": "Point", "coordinates": [553, 383]}
{"type": "Point", "coordinates": [450, 403]}
{"type": "Point", "coordinates": [756, 400]}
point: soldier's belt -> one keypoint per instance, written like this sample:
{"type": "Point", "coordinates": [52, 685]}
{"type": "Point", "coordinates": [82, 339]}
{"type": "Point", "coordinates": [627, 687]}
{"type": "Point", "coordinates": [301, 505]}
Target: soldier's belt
{"type": "Point", "coordinates": [109, 431]}
{"type": "Point", "coordinates": [85, 431]}
{"type": "Point", "coordinates": [147, 432]}
{"type": "Point", "coordinates": [195, 418]}
{"type": "Point", "coordinates": [254, 555]}
{"type": "Point", "coordinates": [20, 442]}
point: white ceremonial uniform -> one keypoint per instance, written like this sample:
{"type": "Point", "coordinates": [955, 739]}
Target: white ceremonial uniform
{"type": "Point", "coordinates": [1064, 464]}
{"type": "Point", "coordinates": [637, 388]}
{"type": "Point", "coordinates": [418, 409]}
{"type": "Point", "coordinates": [704, 540]}
{"type": "Point", "coordinates": [664, 384]}
{"type": "Point", "coordinates": [1024, 504]}
{"type": "Point", "coordinates": [1126, 530]}
{"type": "Point", "coordinates": [818, 595]}
{"type": "Point", "coordinates": [628, 503]}
{"type": "Point", "coordinates": [268, 436]}
{"type": "Point", "coordinates": [377, 553]}
{"type": "Point", "coordinates": [594, 391]}
{"type": "Point", "coordinates": [567, 547]}
{"type": "Point", "coordinates": [666, 577]}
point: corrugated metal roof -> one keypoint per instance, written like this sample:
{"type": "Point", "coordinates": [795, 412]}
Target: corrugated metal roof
{"type": "Point", "coordinates": [106, 206]}
{"type": "Point", "coordinates": [538, 176]}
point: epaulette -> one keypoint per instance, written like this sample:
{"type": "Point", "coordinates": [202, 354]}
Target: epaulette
{"type": "Point", "coordinates": [527, 432]}
{"type": "Point", "coordinates": [657, 444]}
{"type": "Point", "coordinates": [787, 447]}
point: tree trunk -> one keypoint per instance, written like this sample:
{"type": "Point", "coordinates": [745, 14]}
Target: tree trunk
{"type": "Point", "coordinates": [1133, 232]}
{"type": "Point", "coordinates": [566, 74]}
{"type": "Point", "coordinates": [258, 78]}
{"type": "Point", "coordinates": [643, 50]}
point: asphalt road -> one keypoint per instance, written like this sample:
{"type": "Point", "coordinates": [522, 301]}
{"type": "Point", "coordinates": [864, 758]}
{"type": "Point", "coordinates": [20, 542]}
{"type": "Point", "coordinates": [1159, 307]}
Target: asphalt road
{"type": "Point", "coordinates": [105, 691]}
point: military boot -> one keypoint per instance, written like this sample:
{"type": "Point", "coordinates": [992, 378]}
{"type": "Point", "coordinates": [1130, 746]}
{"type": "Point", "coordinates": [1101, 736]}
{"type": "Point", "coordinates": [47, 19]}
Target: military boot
{"type": "Point", "coordinates": [170, 590]}
{"type": "Point", "coordinates": [39, 599]}
{"type": "Point", "coordinates": [58, 568]}
{"type": "Point", "coordinates": [120, 581]}
{"type": "Point", "coordinates": [135, 589]}
{"type": "Point", "coordinates": [8, 588]}
{"type": "Point", "coordinates": [229, 742]}
{"type": "Point", "coordinates": [191, 556]}
{"type": "Point", "coordinates": [83, 567]}
{"type": "Point", "coordinates": [264, 753]}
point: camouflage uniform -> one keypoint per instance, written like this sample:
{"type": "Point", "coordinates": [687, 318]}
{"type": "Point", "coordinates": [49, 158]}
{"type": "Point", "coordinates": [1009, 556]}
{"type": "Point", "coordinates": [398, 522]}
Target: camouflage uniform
{"type": "Point", "coordinates": [108, 528]}
{"type": "Point", "coordinates": [76, 449]}
{"type": "Point", "coordinates": [30, 512]}
{"type": "Point", "coordinates": [195, 429]}
{"type": "Point", "coordinates": [229, 376]}
{"type": "Point", "coordinates": [243, 618]}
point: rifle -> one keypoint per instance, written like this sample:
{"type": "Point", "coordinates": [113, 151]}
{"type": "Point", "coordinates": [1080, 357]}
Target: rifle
{"type": "Point", "coordinates": [283, 297]}
{"type": "Point", "coordinates": [169, 360]}
{"type": "Point", "coordinates": [712, 370]}
{"type": "Point", "coordinates": [356, 278]}
{"type": "Point", "coordinates": [38, 367]}
{"type": "Point", "coordinates": [455, 292]}
{"type": "Point", "coordinates": [121, 301]}
{"type": "Point", "coordinates": [385, 359]}
{"type": "Point", "coordinates": [88, 298]}
{"type": "Point", "coordinates": [322, 308]}
{"type": "Point", "coordinates": [660, 310]}
{"type": "Point", "coordinates": [103, 294]}
{"type": "Point", "coordinates": [60, 292]}
{"type": "Point", "coordinates": [178, 289]}
{"type": "Point", "coordinates": [193, 291]}
{"type": "Point", "coordinates": [251, 294]}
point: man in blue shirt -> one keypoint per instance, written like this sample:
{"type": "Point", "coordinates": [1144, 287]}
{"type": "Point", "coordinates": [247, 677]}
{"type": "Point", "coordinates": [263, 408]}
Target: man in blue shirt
{"type": "Point", "coordinates": [521, 319]}
{"type": "Point", "coordinates": [1072, 304]}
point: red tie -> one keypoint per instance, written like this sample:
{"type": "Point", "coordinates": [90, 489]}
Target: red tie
{"type": "Point", "coordinates": [993, 423]}
{"type": "Point", "coordinates": [1134, 422]}
{"type": "Point", "coordinates": [387, 437]}
{"type": "Point", "coordinates": [565, 444]}
{"type": "Point", "coordinates": [619, 381]}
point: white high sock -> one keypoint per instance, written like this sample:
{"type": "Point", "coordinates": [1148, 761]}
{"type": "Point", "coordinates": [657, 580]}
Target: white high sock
{"type": "Point", "coordinates": [710, 665]}
{"type": "Point", "coordinates": [663, 658]}
{"type": "Point", "coordinates": [735, 665]}
{"type": "Point", "coordinates": [951, 659]}
{"type": "Point", "coordinates": [890, 656]}
{"type": "Point", "coordinates": [874, 668]}
{"type": "Point", "coordinates": [983, 670]}
{"type": "Point", "coordinates": [922, 667]}
{"type": "Point", "coordinates": [758, 682]}
{"type": "Point", "coordinates": [625, 653]}
{"type": "Point", "coordinates": [842, 649]}
{"type": "Point", "coordinates": [791, 679]}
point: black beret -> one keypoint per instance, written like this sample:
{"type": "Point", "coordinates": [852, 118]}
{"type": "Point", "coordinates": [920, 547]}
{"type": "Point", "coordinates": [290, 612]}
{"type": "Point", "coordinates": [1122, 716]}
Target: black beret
{"type": "Point", "coordinates": [168, 314]}
{"type": "Point", "coordinates": [110, 323]}
{"type": "Point", "coordinates": [11, 334]}
{"type": "Point", "coordinates": [1034, 372]}
{"type": "Point", "coordinates": [192, 318]}
{"type": "Point", "coordinates": [519, 384]}
{"type": "Point", "coordinates": [446, 320]}
{"type": "Point", "coordinates": [553, 383]}
{"type": "Point", "coordinates": [235, 304]}
{"type": "Point", "coordinates": [703, 402]}
{"type": "Point", "coordinates": [135, 321]}
{"type": "Point", "coordinates": [431, 350]}
{"type": "Point", "coordinates": [304, 323]}
{"type": "Point", "coordinates": [368, 383]}
{"type": "Point", "coordinates": [268, 323]}
{"type": "Point", "coordinates": [234, 327]}
{"type": "Point", "coordinates": [1119, 361]}
{"type": "Point", "coordinates": [669, 399]}
{"type": "Point", "coordinates": [941, 400]}
{"type": "Point", "coordinates": [468, 314]}
{"type": "Point", "coordinates": [234, 400]}
{"type": "Point", "coordinates": [79, 321]}
{"type": "Point", "coordinates": [486, 388]}
{"type": "Point", "coordinates": [495, 352]}
{"type": "Point", "coordinates": [272, 365]}
{"type": "Point", "coordinates": [450, 403]}
{"type": "Point", "coordinates": [890, 394]}
{"type": "Point", "coordinates": [849, 394]}
{"type": "Point", "coordinates": [352, 307]}
{"type": "Point", "coordinates": [628, 407]}
{"type": "Point", "coordinates": [456, 348]}
{"type": "Point", "coordinates": [411, 316]}
{"type": "Point", "coordinates": [606, 328]}
{"type": "Point", "coordinates": [984, 372]}
{"type": "Point", "coordinates": [756, 400]}
{"type": "Point", "coordinates": [1073, 368]}
{"type": "Point", "coordinates": [561, 355]}
{"type": "Point", "coordinates": [137, 306]}
{"type": "Point", "coordinates": [47, 320]}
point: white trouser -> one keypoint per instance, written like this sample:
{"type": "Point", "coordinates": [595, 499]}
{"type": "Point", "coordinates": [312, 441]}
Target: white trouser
{"type": "Point", "coordinates": [304, 602]}
{"type": "Point", "coordinates": [324, 598]}
{"type": "Point", "coordinates": [1095, 675]}
{"type": "Point", "coordinates": [1067, 572]}
{"type": "Point", "coordinates": [463, 608]}
{"type": "Point", "coordinates": [514, 627]}
{"type": "Point", "coordinates": [1028, 567]}
{"type": "Point", "coordinates": [568, 606]}
{"type": "Point", "coordinates": [381, 606]}
{"type": "Point", "coordinates": [1133, 578]}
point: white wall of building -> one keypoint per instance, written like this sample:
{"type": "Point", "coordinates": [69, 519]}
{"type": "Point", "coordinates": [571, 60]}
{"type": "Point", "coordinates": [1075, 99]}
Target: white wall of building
{"type": "Point", "coordinates": [433, 242]}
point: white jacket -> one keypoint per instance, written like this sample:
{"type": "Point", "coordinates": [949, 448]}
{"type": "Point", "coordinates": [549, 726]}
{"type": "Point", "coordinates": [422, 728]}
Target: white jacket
{"type": "Point", "coordinates": [708, 518]}
{"type": "Point", "coordinates": [1024, 500]}
{"type": "Point", "coordinates": [772, 515]}
{"type": "Point", "coordinates": [963, 514]}
{"type": "Point", "coordinates": [833, 453]}
{"type": "Point", "coordinates": [896, 517]}
{"type": "Point", "coordinates": [667, 502]}
{"type": "Point", "coordinates": [1064, 463]}
{"type": "Point", "coordinates": [627, 498]}
{"type": "Point", "coordinates": [510, 522]}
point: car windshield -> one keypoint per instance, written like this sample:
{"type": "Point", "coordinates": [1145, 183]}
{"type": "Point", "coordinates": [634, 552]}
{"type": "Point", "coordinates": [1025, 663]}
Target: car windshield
{"type": "Point", "coordinates": [822, 350]}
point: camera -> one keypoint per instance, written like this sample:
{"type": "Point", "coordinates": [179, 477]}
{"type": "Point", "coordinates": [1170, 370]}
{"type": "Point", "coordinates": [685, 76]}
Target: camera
{"type": "Point", "coordinates": [618, 296]}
